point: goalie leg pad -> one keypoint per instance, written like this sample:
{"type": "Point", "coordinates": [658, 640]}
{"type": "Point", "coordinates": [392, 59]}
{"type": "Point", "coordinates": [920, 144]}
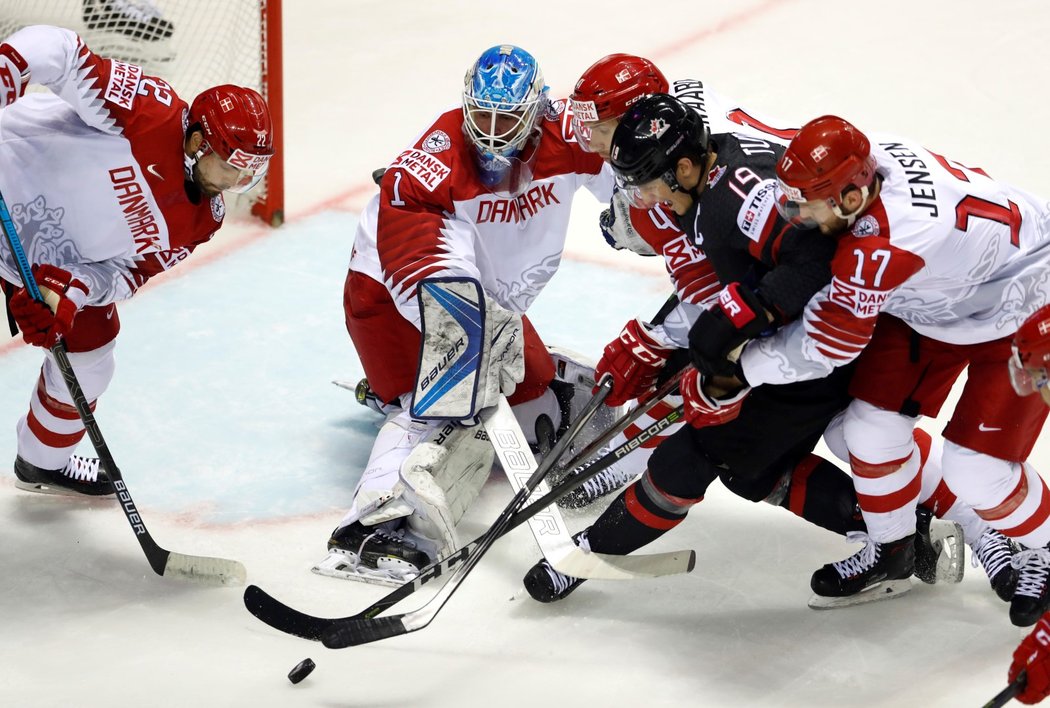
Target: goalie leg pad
{"type": "Point", "coordinates": [442, 477]}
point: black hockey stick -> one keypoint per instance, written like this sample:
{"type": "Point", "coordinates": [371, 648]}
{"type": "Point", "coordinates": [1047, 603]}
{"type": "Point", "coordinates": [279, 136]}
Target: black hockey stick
{"type": "Point", "coordinates": [1010, 692]}
{"type": "Point", "coordinates": [200, 569]}
{"type": "Point", "coordinates": [286, 619]}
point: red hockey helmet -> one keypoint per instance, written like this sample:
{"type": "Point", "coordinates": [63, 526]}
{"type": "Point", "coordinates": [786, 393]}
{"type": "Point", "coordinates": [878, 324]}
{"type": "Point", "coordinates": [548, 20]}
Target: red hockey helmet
{"type": "Point", "coordinates": [237, 127]}
{"type": "Point", "coordinates": [1031, 353]}
{"type": "Point", "coordinates": [609, 87]}
{"type": "Point", "coordinates": [826, 156]}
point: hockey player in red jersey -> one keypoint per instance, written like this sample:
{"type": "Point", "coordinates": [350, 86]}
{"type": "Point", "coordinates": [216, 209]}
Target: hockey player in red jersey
{"type": "Point", "coordinates": [110, 179]}
{"type": "Point", "coordinates": [1029, 374]}
{"type": "Point", "coordinates": [484, 192]}
{"type": "Point", "coordinates": [953, 261]}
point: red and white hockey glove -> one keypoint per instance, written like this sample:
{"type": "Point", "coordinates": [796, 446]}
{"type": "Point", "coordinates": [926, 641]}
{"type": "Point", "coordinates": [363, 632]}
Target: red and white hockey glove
{"type": "Point", "coordinates": [14, 75]}
{"type": "Point", "coordinates": [634, 359]}
{"type": "Point", "coordinates": [702, 410]}
{"type": "Point", "coordinates": [42, 323]}
{"type": "Point", "coordinates": [1033, 657]}
{"type": "Point", "coordinates": [737, 317]}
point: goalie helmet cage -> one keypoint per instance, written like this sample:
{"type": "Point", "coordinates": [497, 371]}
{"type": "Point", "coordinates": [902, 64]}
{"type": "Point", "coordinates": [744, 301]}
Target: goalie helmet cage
{"type": "Point", "coordinates": [191, 44]}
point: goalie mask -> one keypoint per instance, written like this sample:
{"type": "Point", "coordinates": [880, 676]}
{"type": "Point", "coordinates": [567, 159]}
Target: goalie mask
{"type": "Point", "coordinates": [504, 98]}
{"type": "Point", "coordinates": [237, 128]}
{"type": "Point", "coordinates": [1031, 355]}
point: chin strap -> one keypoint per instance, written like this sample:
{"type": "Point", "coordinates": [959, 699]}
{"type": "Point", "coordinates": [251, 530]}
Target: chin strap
{"type": "Point", "coordinates": [850, 218]}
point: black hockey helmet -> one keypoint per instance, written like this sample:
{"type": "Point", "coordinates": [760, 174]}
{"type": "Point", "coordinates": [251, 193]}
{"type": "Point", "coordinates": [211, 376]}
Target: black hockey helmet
{"type": "Point", "coordinates": [653, 135]}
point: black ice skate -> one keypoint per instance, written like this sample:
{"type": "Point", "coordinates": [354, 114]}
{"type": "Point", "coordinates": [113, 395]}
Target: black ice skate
{"type": "Point", "coordinates": [875, 572]}
{"type": "Point", "coordinates": [377, 554]}
{"type": "Point", "coordinates": [545, 584]}
{"type": "Point", "coordinates": [81, 475]}
{"type": "Point", "coordinates": [995, 553]}
{"type": "Point", "coordinates": [612, 479]}
{"type": "Point", "coordinates": [1031, 598]}
{"type": "Point", "coordinates": [137, 19]}
{"type": "Point", "coordinates": [939, 553]}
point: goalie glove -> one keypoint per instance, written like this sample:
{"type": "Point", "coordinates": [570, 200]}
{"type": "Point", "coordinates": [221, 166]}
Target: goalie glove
{"type": "Point", "coordinates": [736, 318]}
{"type": "Point", "coordinates": [1033, 657]}
{"type": "Point", "coordinates": [634, 360]}
{"type": "Point", "coordinates": [616, 226]}
{"type": "Point", "coordinates": [703, 410]}
{"type": "Point", "coordinates": [43, 323]}
{"type": "Point", "coordinates": [14, 75]}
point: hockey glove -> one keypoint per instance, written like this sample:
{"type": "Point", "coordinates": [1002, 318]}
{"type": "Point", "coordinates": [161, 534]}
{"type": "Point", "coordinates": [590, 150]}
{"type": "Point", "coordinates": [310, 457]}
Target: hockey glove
{"type": "Point", "coordinates": [1033, 657]}
{"type": "Point", "coordinates": [737, 317]}
{"type": "Point", "coordinates": [616, 226]}
{"type": "Point", "coordinates": [703, 410]}
{"type": "Point", "coordinates": [634, 359]}
{"type": "Point", "coordinates": [43, 323]}
{"type": "Point", "coordinates": [14, 75]}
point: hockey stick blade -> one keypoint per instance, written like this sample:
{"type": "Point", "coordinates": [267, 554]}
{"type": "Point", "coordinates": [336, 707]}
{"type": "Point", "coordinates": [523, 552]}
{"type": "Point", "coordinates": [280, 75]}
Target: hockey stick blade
{"type": "Point", "coordinates": [276, 614]}
{"type": "Point", "coordinates": [355, 632]}
{"type": "Point", "coordinates": [585, 564]}
{"type": "Point", "coordinates": [205, 570]}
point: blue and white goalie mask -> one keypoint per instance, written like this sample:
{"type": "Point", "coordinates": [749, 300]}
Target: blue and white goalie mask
{"type": "Point", "coordinates": [504, 99]}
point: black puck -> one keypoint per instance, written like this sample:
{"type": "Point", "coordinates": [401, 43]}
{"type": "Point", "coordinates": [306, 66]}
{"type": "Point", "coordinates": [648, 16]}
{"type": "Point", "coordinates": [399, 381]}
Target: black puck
{"type": "Point", "coordinates": [301, 670]}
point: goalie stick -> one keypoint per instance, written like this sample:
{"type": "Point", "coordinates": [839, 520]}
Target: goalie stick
{"type": "Point", "coordinates": [276, 614]}
{"type": "Point", "coordinates": [200, 569]}
{"type": "Point", "coordinates": [548, 526]}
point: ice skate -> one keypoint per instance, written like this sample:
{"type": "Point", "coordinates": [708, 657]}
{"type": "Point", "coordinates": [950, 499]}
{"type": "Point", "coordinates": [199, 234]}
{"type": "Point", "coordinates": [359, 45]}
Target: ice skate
{"type": "Point", "coordinates": [1032, 596]}
{"type": "Point", "coordinates": [612, 479]}
{"type": "Point", "coordinates": [377, 554]}
{"type": "Point", "coordinates": [995, 552]}
{"type": "Point", "coordinates": [879, 571]}
{"type": "Point", "coordinates": [80, 476]}
{"type": "Point", "coordinates": [939, 551]}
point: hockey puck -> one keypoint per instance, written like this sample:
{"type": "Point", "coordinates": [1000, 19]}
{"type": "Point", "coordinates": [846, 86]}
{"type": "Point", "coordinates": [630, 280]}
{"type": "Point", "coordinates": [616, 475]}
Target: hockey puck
{"type": "Point", "coordinates": [301, 670]}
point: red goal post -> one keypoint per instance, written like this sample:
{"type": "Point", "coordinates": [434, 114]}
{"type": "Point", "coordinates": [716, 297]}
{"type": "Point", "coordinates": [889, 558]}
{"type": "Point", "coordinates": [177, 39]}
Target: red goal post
{"type": "Point", "coordinates": [192, 44]}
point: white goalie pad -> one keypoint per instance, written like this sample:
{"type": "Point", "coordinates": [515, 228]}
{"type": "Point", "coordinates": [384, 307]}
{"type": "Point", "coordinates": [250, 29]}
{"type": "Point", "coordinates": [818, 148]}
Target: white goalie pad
{"type": "Point", "coordinates": [472, 350]}
{"type": "Point", "coordinates": [443, 477]}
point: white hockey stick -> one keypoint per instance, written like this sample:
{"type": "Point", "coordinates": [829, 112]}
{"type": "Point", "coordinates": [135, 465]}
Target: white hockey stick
{"type": "Point", "coordinates": [548, 526]}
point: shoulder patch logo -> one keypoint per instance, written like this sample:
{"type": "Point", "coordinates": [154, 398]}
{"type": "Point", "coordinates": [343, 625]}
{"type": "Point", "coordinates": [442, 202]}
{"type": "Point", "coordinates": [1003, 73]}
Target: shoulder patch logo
{"type": "Point", "coordinates": [866, 226]}
{"type": "Point", "coordinates": [554, 110]}
{"type": "Point", "coordinates": [218, 208]}
{"type": "Point", "coordinates": [438, 141]}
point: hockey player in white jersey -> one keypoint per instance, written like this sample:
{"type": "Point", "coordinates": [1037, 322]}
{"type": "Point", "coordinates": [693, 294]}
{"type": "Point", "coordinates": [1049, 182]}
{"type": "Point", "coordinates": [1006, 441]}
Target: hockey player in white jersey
{"type": "Point", "coordinates": [484, 192]}
{"type": "Point", "coordinates": [949, 262]}
{"type": "Point", "coordinates": [110, 179]}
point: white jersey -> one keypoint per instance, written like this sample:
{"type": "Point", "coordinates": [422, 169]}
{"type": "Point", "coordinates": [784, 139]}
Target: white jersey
{"type": "Point", "coordinates": [959, 257]}
{"type": "Point", "coordinates": [93, 173]}
{"type": "Point", "coordinates": [433, 216]}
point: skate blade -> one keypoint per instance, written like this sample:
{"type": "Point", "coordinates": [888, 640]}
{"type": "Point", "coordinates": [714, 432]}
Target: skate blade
{"type": "Point", "coordinates": [345, 567]}
{"type": "Point", "coordinates": [44, 488]}
{"type": "Point", "coordinates": [947, 536]}
{"type": "Point", "coordinates": [886, 590]}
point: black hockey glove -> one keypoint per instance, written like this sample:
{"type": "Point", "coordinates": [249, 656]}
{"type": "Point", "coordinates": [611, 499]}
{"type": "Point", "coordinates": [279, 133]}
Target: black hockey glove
{"type": "Point", "coordinates": [737, 317]}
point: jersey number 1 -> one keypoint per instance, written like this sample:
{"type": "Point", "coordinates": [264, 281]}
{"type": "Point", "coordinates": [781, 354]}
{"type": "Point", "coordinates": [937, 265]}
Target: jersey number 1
{"type": "Point", "coordinates": [970, 205]}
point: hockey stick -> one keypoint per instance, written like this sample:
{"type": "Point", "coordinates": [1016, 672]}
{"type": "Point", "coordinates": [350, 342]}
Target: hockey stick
{"type": "Point", "coordinates": [1009, 693]}
{"type": "Point", "coordinates": [200, 569]}
{"type": "Point", "coordinates": [286, 619]}
{"type": "Point", "coordinates": [548, 526]}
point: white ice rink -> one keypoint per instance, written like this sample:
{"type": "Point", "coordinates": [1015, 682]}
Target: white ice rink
{"type": "Point", "coordinates": [234, 443]}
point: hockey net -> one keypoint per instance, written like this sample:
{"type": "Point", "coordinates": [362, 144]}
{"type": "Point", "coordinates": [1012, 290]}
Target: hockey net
{"type": "Point", "coordinates": [192, 44]}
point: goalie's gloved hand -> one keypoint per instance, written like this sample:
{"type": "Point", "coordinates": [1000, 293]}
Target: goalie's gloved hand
{"type": "Point", "coordinates": [616, 226]}
{"type": "Point", "coordinates": [1033, 657]}
{"type": "Point", "coordinates": [41, 325]}
{"type": "Point", "coordinates": [714, 338]}
{"type": "Point", "coordinates": [701, 408]}
{"type": "Point", "coordinates": [634, 359]}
